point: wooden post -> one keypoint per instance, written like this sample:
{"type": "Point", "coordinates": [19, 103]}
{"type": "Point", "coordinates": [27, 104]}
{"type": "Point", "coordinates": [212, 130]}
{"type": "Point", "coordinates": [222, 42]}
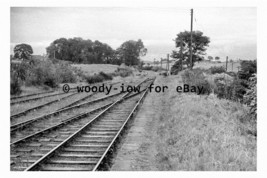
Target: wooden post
{"type": "Point", "coordinates": [232, 65]}
{"type": "Point", "coordinates": [161, 62]}
{"type": "Point", "coordinates": [226, 62]}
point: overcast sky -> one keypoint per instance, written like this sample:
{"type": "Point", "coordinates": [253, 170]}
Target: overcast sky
{"type": "Point", "coordinates": [232, 31]}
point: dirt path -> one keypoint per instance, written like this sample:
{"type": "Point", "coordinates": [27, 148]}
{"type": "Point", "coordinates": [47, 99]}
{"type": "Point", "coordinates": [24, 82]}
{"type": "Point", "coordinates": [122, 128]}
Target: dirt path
{"type": "Point", "coordinates": [138, 150]}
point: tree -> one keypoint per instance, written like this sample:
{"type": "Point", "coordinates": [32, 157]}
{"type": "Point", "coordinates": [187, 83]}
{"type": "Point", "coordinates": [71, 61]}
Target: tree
{"type": "Point", "coordinates": [78, 50]}
{"type": "Point", "coordinates": [23, 51]}
{"type": "Point", "coordinates": [217, 58]}
{"type": "Point", "coordinates": [182, 42]}
{"type": "Point", "coordinates": [131, 51]}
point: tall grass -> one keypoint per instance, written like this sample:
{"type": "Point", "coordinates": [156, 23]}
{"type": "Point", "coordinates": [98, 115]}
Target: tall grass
{"type": "Point", "coordinates": [199, 133]}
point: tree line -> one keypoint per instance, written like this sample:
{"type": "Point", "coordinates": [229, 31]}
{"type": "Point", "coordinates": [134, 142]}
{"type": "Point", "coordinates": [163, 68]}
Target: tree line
{"type": "Point", "coordinates": [78, 50]}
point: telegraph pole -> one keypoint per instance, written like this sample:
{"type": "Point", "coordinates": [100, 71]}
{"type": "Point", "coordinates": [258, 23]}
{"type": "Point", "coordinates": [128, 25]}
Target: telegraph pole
{"type": "Point", "coordinates": [226, 62]}
{"type": "Point", "coordinates": [191, 36]}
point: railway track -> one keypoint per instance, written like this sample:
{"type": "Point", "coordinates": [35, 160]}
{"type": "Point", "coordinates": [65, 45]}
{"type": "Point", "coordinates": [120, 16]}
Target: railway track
{"type": "Point", "coordinates": [74, 105]}
{"type": "Point", "coordinates": [60, 116]}
{"type": "Point", "coordinates": [56, 135]}
{"type": "Point", "coordinates": [45, 108]}
{"type": "Point", "coordinates": [41, 97]}
{"type": "Point", "coordinates": [29, 97]}
{"type": "Point", "coordinates": [40, 106]}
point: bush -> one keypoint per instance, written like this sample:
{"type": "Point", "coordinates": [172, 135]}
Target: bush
{"type": "Point", "coordinates": [196, 78]}
{"type": "Point", "coordinates": [66, 73]}
{"type": "Point", "coordinates": [79, 73]}
{"type": "Point", "coordinates": [123, 72]}
{"type": "Point", "coordinates": [147, 67]}
{"type": "Point", "coordinates": [43, 73]}
{"type": "Point", "coordinates": [49, 73]}
{"type": "Point", "coordinates": [94, 79]}
{"type": "Point", "coordinates": [237, 89]}
{"type": "Point", "coordinates": [216, 69]}
{"type": "Point", "coordinates": [248, 68]}
{"type": "Point", "coordinates": [106, 76]}
{"type": "Point", "coordinates": [177, 67]}
{"type": "Point", "coordinates": [223, 88]}
{"type": "Point", "coordinates": [156, 68]}
{"type": "Point", "coordinates": [229, 89]}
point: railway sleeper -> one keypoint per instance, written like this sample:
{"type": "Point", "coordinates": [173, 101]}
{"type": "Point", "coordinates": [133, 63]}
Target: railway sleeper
{"type": "Point", "coordinates": [57, 167]}
{"type": "Point", "coordinates": [100, 132]}
{"type": "Point", "coordinates": [104, 129]}
{"type": "Point", "coordinates": [114, 121]}
{"type": "Point", "coordinates": [90, 140]}
{"type": "Point", "coordinates": [89, 146]}
{"type": "Point", "coordinates": [89, 143]}
{"type": "Point", "coordinates": [97, 136]}
{"type": "Point", "coordinates": [111, 124]}
{"type": "Point", "coordinates": [75, 155]}
{"type": "Point", "coordinates": [86, 150]}
{"type": "Point", "coordinates": [98, 126]}
{"type": "Point", "coordinates": [68, 160]}
{"type": "Point", "coordinates": [29, 161]}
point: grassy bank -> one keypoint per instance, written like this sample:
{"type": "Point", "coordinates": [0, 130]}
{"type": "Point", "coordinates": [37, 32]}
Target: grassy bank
{"type": "Point", "coordinates": [203, 133]}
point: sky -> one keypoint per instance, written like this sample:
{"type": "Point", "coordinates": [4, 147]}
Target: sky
{"type": "Point", "coordinates": [232, 30]}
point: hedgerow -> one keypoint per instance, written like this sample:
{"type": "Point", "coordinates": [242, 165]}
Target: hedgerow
{"type": "Point", "coordinates": [43, 73]}
{"type": "Point", "coordinates": [250, 98]}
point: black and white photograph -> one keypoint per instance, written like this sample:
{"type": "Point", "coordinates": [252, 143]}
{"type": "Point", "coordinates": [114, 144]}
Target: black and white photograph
{"type": "Point", "coordinates": [132, 88]}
